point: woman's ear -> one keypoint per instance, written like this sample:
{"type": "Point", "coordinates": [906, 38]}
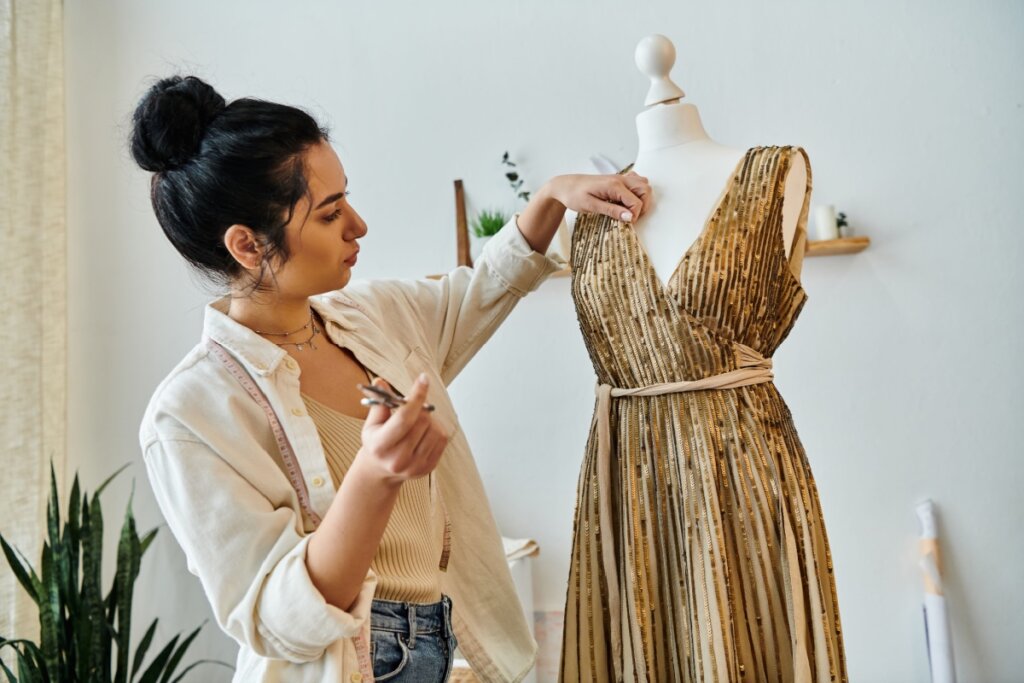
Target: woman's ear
{"type": "Point", "coordinates": [241, 242]}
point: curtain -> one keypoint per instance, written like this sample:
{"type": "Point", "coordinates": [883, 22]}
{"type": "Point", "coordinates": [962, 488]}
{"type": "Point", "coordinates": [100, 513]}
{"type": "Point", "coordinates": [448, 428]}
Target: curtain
{"type": "Point", "coordinates": [33, 292]}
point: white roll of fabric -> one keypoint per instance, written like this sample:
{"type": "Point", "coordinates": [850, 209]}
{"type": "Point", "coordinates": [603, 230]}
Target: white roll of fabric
{"type": "Point", "coordinates": [938, 634]}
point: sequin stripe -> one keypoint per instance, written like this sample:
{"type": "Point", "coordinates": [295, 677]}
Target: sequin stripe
{"type": "Point", "coordinates": [743, 258]}
{"type": "Point", "coordinates": [752, 479]}
{"type": "Point", "coordinates": [805, 514]}
{"type": "Point", "coordinates": [586, 657]}
{"type": "Point", "coordinates": [818, 556]}
{"type": "Point", "coordinates": [594, 582]}
{"type": "Point", "coordinates": [632, 560]}
{"type": "Point", "coordinates": [761, 247]}
{"type": "Point", "coordinates": [762, 475]}
{"type": "Point", "coordinates": [731, 267]}
{"type": "Point", "coordinates": [623, 306]}
{"type": "Point", "coordinates": [794, 297]}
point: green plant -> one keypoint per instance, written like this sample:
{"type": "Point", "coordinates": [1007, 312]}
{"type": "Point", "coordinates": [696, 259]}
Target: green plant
{"type": "Point", "coordinates": [489, 222]}
{"type": "Point", "coordinates": [513, 178]}
{"type": "Point", "coordinates": [841, 224]}
{"type": "Point", "coordinates": [78, 626]}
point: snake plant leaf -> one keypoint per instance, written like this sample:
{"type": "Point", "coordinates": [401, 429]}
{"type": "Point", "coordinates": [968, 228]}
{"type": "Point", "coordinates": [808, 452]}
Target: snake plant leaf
{"type": "Point", "coordinates": [30, 668]}
{"type": "Point", "coordinates": [197, 663]}
{"type": "Point", "coordinates": [128, 557]}
{"type": "Point", "coordinates": [172, 664]}
{"type": "Point", "coordinates": [109, 479]}
{"type": "Point", "coordinates": [92, 631]}
{"type": "Point", "coordinates": [66, 575]}
{"type": "Point", "coordinates": [53, 510]}
{"type": "Point", "coordinates": [24, 668]}
{"type": "Point", "coordinates": [68, 609]}
{"type": "Point", "coordinates": [37, 583]}
{"type": "Point", "coordinates": [146, 541]}
{"type": "Point", "coordinates": [73, 510]}
{"type": "Point", "coordinates": [108, 629]}
{"type": "Point", "coordinates": [8, 672]}
{"type": "Point", "coordinates": [51, 637]}
{"type": "Point", "coordinates": [19, 570]}
{"type": "Point", "coordinates": [38, 665]}
{"type": "Point", "coordinates": [28, 673]}
{"type": "Point", "coordinates": [156, 667]}
{"type": "Point", "coordinates": [140, 652]}
{"type": "Point", "coordinates": [72, 539]}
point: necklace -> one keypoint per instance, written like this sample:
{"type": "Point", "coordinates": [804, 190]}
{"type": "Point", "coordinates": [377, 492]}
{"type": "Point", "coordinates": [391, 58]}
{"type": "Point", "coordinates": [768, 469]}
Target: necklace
{"type": "Point", "coordinates": [285, 334]}
{"type": "Point", "coordinates": [308, 340]}
{"type": "Point", "coordinates": [299, 344]}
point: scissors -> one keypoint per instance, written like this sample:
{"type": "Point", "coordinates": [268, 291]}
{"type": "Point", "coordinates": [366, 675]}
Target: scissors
{"type": "Point", "coordinates": [376, 396]}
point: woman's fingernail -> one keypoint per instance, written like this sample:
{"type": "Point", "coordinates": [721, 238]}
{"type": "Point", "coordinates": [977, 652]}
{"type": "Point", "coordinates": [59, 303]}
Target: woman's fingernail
{"type": "Point", "coordinates": [422, 379]}
{"type": "Point", "coordinates": [627, 215]}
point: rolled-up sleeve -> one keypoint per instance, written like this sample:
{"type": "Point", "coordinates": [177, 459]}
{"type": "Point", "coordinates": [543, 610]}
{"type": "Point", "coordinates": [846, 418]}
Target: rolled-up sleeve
{"type": "Point", "coordinates": [514, 262]}
{"type": "Point", "coordinates": [248, 555]}
{"type": "Point", "coordinates": [460, 311]}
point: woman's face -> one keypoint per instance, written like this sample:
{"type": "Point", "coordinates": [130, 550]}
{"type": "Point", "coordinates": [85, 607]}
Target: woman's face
{"type": "Point", "coordinates": [322, 233]}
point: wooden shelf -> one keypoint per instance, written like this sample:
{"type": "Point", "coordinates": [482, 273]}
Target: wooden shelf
{"type": "Point", "coordinates": [843, 245]}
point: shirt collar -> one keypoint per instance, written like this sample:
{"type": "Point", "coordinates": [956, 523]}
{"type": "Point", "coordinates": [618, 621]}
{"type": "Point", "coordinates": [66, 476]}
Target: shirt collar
{"type": "Point", "coordinates": [258, 355]}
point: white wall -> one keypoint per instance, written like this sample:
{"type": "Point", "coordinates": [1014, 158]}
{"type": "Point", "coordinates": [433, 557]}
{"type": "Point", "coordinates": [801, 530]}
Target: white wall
{"type": "Point", "coordinates": [903, 373]}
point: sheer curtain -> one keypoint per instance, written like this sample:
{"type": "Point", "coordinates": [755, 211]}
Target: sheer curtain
{"type": "Point", "coordinates": [33, 329]}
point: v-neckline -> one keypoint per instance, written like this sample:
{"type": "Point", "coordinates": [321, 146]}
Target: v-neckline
{"type": "Point", "coordinates": [667, 286]}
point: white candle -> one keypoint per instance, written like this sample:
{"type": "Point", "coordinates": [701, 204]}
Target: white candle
{"type": "Point", "coordinates": [825, 224]}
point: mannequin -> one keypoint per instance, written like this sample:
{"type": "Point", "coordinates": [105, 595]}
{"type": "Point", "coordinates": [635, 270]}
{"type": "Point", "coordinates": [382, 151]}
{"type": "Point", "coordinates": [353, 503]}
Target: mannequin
{"type": "Point", "coordinates": [689, 172]}
{"type": "Point", "coordinates": [699, 545]}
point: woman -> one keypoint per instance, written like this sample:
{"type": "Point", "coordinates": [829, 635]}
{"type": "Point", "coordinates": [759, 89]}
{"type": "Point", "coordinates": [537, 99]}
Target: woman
{"type": "Point", "coordinates": [334, 542]}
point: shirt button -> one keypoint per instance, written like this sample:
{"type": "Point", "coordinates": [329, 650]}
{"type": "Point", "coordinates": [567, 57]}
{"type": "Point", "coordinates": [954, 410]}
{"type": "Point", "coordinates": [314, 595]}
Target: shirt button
{"type": "Point", "coordinates": [290, 362]}
{"type": "Point", "coordinates": [356, 677]}
{"type": "Point", "coordinates": [298, 412]}
{"type": "Point", "coordinates": [318, 481]}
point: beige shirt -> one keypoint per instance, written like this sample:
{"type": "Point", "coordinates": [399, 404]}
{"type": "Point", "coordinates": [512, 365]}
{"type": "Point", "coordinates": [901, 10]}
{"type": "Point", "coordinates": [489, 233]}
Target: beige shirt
{"type": "Point", "coordinates": [219, 480]}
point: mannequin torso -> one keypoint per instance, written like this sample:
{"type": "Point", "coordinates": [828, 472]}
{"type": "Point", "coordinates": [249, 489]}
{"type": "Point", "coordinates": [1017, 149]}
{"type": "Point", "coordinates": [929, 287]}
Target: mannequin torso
{"type": "Point", "coordinates": [689, 174]}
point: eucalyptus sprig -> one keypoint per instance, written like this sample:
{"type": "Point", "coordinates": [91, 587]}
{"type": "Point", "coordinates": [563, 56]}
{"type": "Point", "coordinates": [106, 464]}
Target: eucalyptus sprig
{"type": "Point", "coordinates": [513, 178]}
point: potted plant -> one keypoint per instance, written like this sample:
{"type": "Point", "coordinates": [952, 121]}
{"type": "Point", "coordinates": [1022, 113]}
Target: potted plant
{"type": "Point", "coordinates": [78, 626]}
{"type": "Point", "coordinates": [489, 221]}
{"type": "Point", "coordinates": [486, 224]}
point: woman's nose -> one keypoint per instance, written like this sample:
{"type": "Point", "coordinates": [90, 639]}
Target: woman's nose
{"type": "Point", "coordinates": [360, 224]}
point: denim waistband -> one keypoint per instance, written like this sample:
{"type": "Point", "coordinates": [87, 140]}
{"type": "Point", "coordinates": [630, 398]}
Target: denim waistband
{"type": "Point", "coordinates": [412, 618]}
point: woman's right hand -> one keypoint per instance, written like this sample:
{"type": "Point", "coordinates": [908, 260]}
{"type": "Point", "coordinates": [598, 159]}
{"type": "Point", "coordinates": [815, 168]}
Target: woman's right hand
{"type": "Point", "coordinates": [405, 443]}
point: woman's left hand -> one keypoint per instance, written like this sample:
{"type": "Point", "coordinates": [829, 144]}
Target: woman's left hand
{"type": "Point", "coordinates": [623, 197]}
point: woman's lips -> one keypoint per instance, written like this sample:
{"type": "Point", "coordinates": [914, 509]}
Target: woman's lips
{"type": "Point", "coordinates": [351, 260]}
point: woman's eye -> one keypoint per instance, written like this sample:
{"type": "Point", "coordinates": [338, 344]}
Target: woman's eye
{"type": "Point", "coordinates": [334, 216]}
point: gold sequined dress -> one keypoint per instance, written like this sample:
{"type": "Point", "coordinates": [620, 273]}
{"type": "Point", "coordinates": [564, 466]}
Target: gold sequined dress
{"type": "Point", "coordinates": [699, 548]}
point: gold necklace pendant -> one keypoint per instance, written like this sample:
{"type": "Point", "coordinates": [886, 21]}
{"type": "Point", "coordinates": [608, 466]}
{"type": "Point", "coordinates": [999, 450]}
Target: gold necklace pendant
{"type": "Point", "coordinates": [301, 344]}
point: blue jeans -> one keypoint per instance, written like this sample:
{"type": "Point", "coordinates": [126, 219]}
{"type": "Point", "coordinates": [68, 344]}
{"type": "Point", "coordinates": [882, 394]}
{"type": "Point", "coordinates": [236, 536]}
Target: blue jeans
{"type": "Point", "coordinates": [411, 642]}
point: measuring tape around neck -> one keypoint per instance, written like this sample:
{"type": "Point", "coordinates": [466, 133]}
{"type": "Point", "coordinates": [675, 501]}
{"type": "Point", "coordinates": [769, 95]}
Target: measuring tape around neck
{"type": "Point", "coordinates": [291, 462]}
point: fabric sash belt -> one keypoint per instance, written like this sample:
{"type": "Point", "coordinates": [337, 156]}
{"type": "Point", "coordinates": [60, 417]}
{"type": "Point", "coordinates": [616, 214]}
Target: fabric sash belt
{"type": "Point", "coordinates": [753, 368]}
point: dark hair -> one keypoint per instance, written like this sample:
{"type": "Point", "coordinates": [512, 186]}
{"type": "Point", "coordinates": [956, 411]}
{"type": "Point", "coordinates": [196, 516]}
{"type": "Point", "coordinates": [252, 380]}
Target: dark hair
{"type": "Point", "coordinates": [216, 164]}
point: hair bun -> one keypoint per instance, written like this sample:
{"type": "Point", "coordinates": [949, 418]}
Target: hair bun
{"type": "Point", "coordinates": [170, 121]}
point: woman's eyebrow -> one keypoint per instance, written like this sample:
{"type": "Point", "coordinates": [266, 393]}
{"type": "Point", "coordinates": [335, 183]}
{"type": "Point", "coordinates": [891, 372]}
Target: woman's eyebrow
{"type": "Point", "coordinates": [332, 198]}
